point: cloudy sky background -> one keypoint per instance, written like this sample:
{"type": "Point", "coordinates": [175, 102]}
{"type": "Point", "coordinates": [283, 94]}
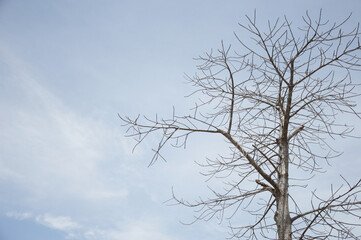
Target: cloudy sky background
{"type": "Point", "coordinates": [67, 68]}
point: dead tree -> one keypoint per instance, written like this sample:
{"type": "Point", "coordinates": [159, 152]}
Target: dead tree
{"type": "Point", "coordinates": [276, 101]}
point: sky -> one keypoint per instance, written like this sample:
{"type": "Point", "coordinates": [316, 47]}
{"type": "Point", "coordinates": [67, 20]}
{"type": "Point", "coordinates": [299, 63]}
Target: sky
{"type": "Point", "coordinates": [67, 68]}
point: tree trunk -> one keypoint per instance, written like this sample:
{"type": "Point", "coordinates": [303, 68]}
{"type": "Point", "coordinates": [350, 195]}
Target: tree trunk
{"type": "Point", "coordinates": [282, 216]}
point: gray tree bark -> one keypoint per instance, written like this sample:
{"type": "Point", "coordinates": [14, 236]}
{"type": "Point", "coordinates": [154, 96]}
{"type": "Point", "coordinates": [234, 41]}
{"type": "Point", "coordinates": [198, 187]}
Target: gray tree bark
{"type": "Point", "coordinates": [282, 215]}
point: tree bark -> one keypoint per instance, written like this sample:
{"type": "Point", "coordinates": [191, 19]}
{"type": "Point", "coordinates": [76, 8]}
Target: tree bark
{"type": "Point", "coordinates": [282, 216]}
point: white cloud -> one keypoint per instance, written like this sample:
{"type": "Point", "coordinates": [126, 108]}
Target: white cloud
{"type": "Point", "coordinates": [138, 229]}
{"type": "Point", "coordinates": [61, 223]}
{"type": "Point", "coordinates": [19, 215]}
{"type": "Point", "coordinates": [57, 222]}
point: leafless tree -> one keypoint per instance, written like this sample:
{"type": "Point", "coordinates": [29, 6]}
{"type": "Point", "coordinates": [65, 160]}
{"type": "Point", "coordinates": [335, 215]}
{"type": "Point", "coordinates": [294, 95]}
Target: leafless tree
{"type": "Point", "coordinates": [277, 102]}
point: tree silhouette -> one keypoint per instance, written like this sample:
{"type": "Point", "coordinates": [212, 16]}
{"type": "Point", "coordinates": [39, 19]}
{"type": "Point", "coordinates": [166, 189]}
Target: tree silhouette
{"type": "Point", "coordinates": [277, 102]}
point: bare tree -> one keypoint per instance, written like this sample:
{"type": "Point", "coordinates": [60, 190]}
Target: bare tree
{"type": "Point", "coordinates": [277, 102]}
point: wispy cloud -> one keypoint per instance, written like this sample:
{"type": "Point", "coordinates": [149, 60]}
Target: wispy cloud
{"type": "Point", "coordinates": [56, 158]}
{"type": "Point", "coordinates": [60, 160]}
{"type": "Point", "coordinates": [139, 229]}
{"type": "Point", "coordinates": [58, 222]}
{"type": "Point", "coordinates": [61, 223]}
{"type": "Point", "coordinates": [50, 148]}
{"type": "Point", "coordinates": [19, 215]}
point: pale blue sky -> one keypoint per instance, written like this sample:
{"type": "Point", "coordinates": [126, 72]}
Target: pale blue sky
{"type": "Point", "coordinates": [67, 68]}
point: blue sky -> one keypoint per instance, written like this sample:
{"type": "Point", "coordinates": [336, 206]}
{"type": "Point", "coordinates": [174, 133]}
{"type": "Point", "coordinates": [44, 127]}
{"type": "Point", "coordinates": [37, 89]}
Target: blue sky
{"type": "Point", "coordinates": [67, 68]}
